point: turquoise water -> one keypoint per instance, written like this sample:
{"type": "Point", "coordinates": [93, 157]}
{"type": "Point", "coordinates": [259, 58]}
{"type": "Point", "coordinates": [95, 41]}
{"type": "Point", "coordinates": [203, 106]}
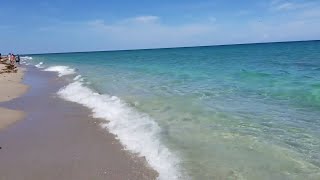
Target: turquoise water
{"type": "Point", "coordinates": [225, 112]}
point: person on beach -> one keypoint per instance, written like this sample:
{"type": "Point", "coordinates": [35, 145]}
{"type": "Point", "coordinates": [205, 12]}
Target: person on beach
{"type": "Point", "coordinates": [12, 59]}
{"type": "Point", "coordinates": [8, 57]}
{"type": "Point", "coordinates": [18, 58]}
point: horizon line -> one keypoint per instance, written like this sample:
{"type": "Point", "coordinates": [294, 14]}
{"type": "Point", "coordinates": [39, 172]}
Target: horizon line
{"type": "Point", "coordinates": [178, 47]}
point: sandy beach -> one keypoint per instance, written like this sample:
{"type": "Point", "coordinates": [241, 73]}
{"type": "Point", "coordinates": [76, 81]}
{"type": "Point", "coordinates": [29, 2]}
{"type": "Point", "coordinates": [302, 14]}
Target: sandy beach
{"type": "Point", "coordinates": [11, 87]}
{"type": "Point", "coordinates": [57, 139]}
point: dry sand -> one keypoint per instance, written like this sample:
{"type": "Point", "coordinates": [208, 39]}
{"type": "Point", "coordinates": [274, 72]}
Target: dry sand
{"type": "Point", "coordinates": [10, 87]}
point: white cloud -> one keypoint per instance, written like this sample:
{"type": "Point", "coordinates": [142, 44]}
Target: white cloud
{"type": "Point", "coordinates": [152, 32]}
{"type": "Point", "coordinates": [286, 6]}
{"type": "Point", "coordinates": [285, 31]}
{"type": "Point", "coordinates": [149, 32]}
{"type": "Point", "coordinates": [311, 13]}
{"type": "Point", "coordinates": [140, 34]}
{"type": "Point", "coordinates": [145, 19]}
{"type": "Point", "coordinates": [280, 5]}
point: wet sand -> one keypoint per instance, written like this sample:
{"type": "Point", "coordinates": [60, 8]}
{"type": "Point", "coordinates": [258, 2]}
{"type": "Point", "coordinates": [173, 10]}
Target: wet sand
{"type": "Point", "coordinates": [58, 140]}
{"type": "Point", "coordinates": [10, 87]}
{"type": "Point", "coordinates": [9, 116]}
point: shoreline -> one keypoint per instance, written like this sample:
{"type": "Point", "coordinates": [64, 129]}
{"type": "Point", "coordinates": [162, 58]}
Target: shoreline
{"type": "Point", "coordinates": [11, 87]}
{"type": "Point", "coordinates": [61, 140]}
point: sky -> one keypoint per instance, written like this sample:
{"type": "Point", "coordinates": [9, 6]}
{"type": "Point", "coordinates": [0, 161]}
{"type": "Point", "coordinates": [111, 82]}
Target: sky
{"type": "Point", "coordinates": [36, 26]}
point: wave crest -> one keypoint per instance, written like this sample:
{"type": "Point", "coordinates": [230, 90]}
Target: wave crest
{"type": "Point", "coordinates": [136, 131]}
{"type": "Point", "coordinates": [25, 58]}
{"type": "Point", "coordinates": [61, 70]}
{"type": "Point", "coordinates": [39, 65]}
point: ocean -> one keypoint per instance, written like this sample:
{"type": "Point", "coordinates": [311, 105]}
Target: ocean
{"type": "Point", "coordinates": [219, 112]}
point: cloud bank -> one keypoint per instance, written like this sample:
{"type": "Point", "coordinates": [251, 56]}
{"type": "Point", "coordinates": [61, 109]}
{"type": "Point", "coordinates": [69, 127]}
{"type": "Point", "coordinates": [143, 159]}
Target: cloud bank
{"type": "Point", "coordinates": [283, 21]}
{"type": "Point", "coordinates": [149, 31]}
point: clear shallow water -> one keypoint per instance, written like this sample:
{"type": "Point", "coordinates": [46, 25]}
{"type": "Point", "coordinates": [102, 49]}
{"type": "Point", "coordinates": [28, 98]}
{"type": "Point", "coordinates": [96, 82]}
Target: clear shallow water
{"type": "Point", "coordinates": [228, 112]}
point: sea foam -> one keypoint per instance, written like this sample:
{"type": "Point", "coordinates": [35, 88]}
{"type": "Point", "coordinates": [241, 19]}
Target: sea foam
{"type": "Point", "coordinates": [26, 58]}
{"type": "Point", "coordinates": [136, 131]}
{"type": "Point", "coordinates": [61, 70]}
{"type": "Point", "coordinates": [39, 65]}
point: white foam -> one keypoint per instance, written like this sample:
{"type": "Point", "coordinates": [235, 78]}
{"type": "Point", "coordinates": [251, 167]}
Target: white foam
{"type": "Point", "coordinates": [61, 70]}
{"type": "Point", "coordinates": [26, 58]}
{"type": "Point", "coordinates": [77, 78]}
{"type": "Point", "coordinates": [136, 131]}
{"type": "Point", "coordinates": [39, 65]}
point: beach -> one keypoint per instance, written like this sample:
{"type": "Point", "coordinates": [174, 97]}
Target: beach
{"type": "Point", "coordinates": [49, 138]}
{"type": "Point", "coordinates": [160, 90]}
{"type": "Point", "coordinates": [11, 87]}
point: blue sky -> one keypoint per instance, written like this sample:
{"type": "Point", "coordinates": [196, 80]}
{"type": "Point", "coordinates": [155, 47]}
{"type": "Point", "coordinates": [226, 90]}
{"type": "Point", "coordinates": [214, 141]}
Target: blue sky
{"type": "Point", "coordinates": [36, 26]}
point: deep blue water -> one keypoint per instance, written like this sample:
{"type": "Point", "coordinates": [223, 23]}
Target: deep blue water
{"type": "Point", "coordinates": [239, 112]}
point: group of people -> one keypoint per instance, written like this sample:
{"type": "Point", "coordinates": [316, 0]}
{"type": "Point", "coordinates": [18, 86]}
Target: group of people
{"type": "Point", "coordinates": [12, 58]}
